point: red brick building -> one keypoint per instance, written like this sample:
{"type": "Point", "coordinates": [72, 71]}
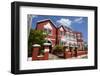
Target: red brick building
{"type": "Point", "coordinates": [60, 35]}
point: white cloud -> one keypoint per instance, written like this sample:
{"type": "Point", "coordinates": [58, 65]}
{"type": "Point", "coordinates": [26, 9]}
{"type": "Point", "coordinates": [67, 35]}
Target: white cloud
{"type": "Point", "coordinates": [78, 20]}
{"type": "Point", "coordinates": [34, 16]}
{"type": "Point", "coordinates": [65, 22]}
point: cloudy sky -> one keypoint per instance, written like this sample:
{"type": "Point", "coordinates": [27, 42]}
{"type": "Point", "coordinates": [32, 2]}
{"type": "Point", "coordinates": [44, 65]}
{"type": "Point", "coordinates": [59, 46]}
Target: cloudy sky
{"type": "Point", "coordinates": [76, 23]}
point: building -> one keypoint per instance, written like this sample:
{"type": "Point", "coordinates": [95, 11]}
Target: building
{"type": "Point", "coordinates": [60, 35]}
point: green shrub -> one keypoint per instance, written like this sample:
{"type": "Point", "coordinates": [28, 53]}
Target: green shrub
{"type": "Point", "coordinates": [58, 49]}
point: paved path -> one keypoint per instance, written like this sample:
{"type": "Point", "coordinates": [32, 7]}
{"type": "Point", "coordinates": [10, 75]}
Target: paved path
{"type": "Point", "coordinates": [54, 57]}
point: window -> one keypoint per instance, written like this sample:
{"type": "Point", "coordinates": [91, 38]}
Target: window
{"type": "Point", "coordinates": [74, 37]}
{"type": "Point", "coordinates": [61, 33]}
{"type": "Point", "coordinates": [79, 36]}
{"type": "Point", "coordinates": [67, 34]}
{"type": "Point", "coordinates": [48, 31]}
{"type": "Point", "coordinates": [62, 43]}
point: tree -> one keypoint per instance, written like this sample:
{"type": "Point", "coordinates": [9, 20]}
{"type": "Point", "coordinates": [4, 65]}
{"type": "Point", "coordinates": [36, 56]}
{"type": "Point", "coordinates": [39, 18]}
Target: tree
{"type": "Point", "coordinates": [36, 37]}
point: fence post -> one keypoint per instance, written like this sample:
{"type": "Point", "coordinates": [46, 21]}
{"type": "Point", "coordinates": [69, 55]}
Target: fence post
{"type": "Point", "coordinates": [35, 51]}
{"type": "Point", "coordinates": [66, 50]}
{"type": "Point", "coordinates": [46, 51]}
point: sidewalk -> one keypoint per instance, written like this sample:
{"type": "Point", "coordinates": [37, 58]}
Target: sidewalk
{"type": "Point", "coordinates": [54, 57]}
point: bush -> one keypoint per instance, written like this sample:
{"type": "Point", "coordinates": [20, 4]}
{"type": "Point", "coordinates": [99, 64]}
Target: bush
{"type": "Point", "coordinates": [58, 49]}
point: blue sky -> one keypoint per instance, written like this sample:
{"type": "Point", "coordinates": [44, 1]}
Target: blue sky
{"type": "Point", "coordinates": [76, 23]}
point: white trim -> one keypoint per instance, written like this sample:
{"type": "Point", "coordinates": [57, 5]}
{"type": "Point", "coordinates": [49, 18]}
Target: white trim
{"type": "Point", "coordinates": [36, 45]}
{"type": "Point", "coordinates": [46, 44]}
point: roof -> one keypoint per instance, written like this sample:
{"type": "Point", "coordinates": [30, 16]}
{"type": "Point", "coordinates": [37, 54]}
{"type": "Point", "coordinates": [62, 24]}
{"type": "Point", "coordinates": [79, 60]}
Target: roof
{"type": "Point", "coordinates": [77, 32]}
{"type": "Point", "coordinates": [46, 20]}
{"type": "Point", "coordinates": [62, 27]}
{"type": "Point", "coordinates": [65, 28]}
{"type": "Point", "coordinates": [49, 20]}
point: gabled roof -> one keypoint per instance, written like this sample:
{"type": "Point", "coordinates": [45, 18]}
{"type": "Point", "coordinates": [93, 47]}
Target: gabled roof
{"type": "Point", "coordinates": [65, 28]}
{"type": "Point", "coordinates": [62, 27]}
{"type": "Point", "coordinates": [46, 20]}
